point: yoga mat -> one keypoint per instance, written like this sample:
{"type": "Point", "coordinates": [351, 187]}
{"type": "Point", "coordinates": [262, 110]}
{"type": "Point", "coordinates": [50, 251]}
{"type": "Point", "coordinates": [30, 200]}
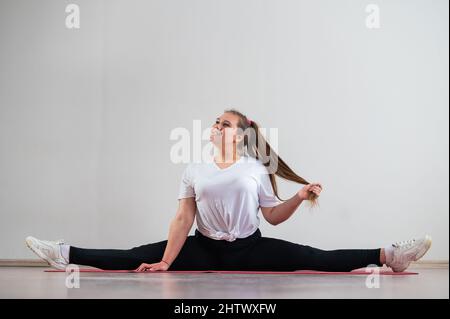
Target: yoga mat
{"type": "Point", "coordinates": [298, 272]}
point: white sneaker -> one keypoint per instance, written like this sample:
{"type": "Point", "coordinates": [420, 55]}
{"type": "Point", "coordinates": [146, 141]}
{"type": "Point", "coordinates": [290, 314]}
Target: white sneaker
{"type": "Point", "coordinates": [405, 252]}
{"type": "Point", "coordinates": [50, 251]}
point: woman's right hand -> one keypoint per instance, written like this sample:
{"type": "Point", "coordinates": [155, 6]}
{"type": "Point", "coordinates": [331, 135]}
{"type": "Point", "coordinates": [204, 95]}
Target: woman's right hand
{"type": "Point", "coordinates": [161, 266]}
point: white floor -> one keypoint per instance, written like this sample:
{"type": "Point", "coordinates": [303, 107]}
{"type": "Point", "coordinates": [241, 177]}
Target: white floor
{"type": "Point", "coordinates": [33, 282]}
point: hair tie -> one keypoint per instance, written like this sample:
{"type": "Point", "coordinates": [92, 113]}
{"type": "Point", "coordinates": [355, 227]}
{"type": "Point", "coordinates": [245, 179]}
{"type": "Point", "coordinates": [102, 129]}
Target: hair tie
{"type": "Point", "coordinates": [249, 122]}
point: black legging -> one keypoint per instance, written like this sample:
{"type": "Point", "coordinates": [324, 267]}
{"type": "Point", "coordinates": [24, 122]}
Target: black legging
{"type": "Point", "coordinates": [251, 253]}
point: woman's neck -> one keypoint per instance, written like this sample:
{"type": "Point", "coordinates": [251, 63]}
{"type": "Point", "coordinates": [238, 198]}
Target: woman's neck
{"type": "Point", "coordinates": [226, 155]}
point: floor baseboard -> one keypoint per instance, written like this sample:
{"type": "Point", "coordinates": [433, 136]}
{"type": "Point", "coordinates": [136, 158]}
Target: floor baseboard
{"type": "Point", "coordinates": [23, 263]}
{"type": "Point", "coordinates": [436, 264]}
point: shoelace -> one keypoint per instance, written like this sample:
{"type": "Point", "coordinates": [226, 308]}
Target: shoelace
{"type": "Point", "coordinates": [404, 243]}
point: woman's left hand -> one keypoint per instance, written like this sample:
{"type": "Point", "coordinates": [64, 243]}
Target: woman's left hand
{"type": "Point", "coordinates": [305, 192]}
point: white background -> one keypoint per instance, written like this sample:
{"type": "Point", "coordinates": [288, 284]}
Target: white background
{"type": "Point", "coordinates": [85, 115]}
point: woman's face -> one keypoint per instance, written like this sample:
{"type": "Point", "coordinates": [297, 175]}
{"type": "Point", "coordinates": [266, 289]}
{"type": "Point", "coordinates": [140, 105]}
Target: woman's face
{"type": "Point", "coordinates": [224, 130]}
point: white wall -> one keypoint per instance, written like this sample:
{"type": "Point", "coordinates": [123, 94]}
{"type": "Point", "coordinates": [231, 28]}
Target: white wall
{"type": "Point", "coordinates": [85, 115]}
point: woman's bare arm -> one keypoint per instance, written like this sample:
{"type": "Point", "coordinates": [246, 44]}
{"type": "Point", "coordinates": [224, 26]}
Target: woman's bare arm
{"type": "Point", "coordinates": [280, 213]}
{"type": "Point", "coordinates": [179, 229]}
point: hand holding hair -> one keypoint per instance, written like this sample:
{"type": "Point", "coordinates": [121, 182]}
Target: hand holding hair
{"type": "Point", "coordinates": [310, 191]}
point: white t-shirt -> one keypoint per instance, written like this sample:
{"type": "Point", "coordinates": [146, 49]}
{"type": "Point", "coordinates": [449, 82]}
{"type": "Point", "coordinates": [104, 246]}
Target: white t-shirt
{"type": "Point", "coordinates": [228, 199]}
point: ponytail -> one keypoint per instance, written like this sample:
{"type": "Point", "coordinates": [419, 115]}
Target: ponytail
{"type": "Point", "coordinates": [261, 150]}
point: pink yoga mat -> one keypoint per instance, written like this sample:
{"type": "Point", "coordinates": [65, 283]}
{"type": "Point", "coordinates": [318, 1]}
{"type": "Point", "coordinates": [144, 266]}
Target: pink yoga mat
{"type": "Point", "coordinates": [298, 272]}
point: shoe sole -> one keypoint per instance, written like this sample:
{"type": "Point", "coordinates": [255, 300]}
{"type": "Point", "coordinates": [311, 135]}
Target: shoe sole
{"type": "Point", "coordinates": [29, 242]}
{"type": "Point", "coordinates": [427, 246]}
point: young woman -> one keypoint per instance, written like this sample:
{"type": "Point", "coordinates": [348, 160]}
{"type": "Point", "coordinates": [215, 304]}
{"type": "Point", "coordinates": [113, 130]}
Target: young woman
{"type": "Point", "coordinates": [225, 195]}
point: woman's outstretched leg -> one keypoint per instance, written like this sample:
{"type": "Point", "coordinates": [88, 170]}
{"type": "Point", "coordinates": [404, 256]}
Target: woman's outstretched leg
{"type": "Point", "coordinates": [117, 259]}
{"type": "Point", "coordinates": [280, 255]}
{"type": "Point", "coordinates": [192, 256]}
